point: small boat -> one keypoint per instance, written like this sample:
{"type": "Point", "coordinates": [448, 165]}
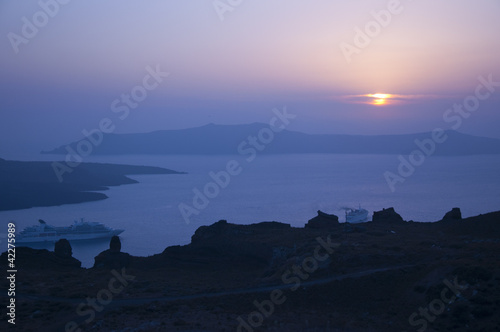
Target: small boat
{"type": "Point", "coordinates": [356, 216]}
{"type": "Point", "coordinates": [80, 230]}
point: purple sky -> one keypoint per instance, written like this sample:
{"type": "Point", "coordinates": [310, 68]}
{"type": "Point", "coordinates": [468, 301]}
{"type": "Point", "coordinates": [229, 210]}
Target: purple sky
{"type": "Point", "coordinates": [63, 78]}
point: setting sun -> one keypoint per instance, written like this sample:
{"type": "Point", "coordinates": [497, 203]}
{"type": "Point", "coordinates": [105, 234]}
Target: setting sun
{"type": "Point", "coordinates": [379, 99]}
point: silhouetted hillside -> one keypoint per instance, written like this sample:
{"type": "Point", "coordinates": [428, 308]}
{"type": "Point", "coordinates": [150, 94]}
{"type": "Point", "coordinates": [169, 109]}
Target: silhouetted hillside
{"type": "Point", "coordinates": [29, 184]}
{"type": "Point", "coordinates": [375, 276]}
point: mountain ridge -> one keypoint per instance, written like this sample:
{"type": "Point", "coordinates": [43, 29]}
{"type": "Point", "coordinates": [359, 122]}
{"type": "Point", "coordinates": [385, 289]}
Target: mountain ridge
{"type": "Point", "coordinates": [226, 139]}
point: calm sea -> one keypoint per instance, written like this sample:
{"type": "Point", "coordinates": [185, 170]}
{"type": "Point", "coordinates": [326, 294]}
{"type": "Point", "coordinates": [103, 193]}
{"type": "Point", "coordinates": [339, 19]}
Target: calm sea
{"type": "Point", "coordinates": [285, 188]}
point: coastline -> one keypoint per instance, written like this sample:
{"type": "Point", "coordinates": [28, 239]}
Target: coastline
{"type": "Point", "coordinates": [34, 184]}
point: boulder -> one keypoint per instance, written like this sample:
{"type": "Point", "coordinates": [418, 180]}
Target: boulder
{"type": "Point", "coordinates": [112, 258]}
{"type": "Point", "coordinates": [41, 259]}
{"type": "Point", "coordinates": [115, 245]}
{"type": "Point", "coordinates": [454, 214]}
{"type": "Point", "coordinates": [323, 220]}
{"type": "Point", "coordinates": [62, 249]}
{"type": "Point", "coordinates": [63, 254]}
{"type": "Point", "coordinates": [387, 216]}
{"type": "Point", "coordinates": [226, 243]}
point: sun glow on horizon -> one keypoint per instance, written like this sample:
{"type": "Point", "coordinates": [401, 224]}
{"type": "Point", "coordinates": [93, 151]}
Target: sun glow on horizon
{"type": "Point", "coordinates": [389, 99]}
{"type": "Point", "coordinates": [379, 99]}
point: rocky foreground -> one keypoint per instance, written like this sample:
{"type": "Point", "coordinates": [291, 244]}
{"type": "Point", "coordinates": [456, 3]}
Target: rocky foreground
{"type": "Point", "coordinates": [384, 275]}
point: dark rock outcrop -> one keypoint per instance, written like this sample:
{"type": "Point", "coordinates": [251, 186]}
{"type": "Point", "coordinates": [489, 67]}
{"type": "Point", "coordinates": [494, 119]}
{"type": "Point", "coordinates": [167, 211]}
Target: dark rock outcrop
{"type": "Point", "coordinates": [113, 258]}
{"type": "Point", "coordinates": [227, 243]}
{"type": "Point", "coordinates": [222, 230]}
{"type": "Point", "coordinates": [454, 214]}
{"type": "Point", "coordinates": [115, 245]}
{"type": "Point", "coordinates": [63, 249]}
{"type": "Point", "coordinates": [208, 232]}
{"type": "Point", "coordinates": [59, 259]}
{"type": "Point", "coordinates": [63, 254]}
{"type": "Point", "coordinates": [387, 216]}
{"type": "Point", "coordinates": [323, 220]}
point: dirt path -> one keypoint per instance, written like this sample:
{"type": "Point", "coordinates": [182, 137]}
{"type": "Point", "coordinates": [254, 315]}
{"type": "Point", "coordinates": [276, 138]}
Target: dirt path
{"type": "Point", "coordinates": [116, 303]}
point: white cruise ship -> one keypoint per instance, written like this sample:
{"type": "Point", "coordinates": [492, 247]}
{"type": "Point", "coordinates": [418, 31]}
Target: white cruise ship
{"type": "Point", "coordinates": [355, 216]}
{"type": "Point", "coordinates": [80, 230]}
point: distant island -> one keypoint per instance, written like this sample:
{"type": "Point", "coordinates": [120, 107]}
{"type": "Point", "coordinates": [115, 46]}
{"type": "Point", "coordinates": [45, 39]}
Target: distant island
{"type": "Point", "coordinates": [258, 137]}
{"type": "Point", "coordinates": [29, 184]}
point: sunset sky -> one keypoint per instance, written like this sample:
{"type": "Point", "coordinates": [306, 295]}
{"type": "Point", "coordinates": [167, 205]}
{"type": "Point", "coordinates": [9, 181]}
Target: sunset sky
{"type": "Point", "coordinates": [230, 65]}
